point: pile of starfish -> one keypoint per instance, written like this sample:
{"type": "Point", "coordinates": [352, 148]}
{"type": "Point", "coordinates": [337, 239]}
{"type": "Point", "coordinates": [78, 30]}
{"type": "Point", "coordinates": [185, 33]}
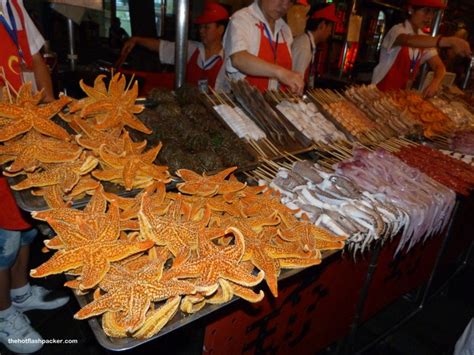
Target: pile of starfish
{"type": "Point", "coordinates": [142, 259]}
{"type": "Point", "coordinates": [63, 165]}
{"type": "Point", "coordinates": [145, 258]}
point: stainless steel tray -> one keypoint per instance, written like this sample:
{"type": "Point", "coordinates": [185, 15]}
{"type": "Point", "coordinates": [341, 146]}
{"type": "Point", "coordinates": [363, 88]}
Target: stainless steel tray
{"type": "Point", "coordinates": [180, 319]}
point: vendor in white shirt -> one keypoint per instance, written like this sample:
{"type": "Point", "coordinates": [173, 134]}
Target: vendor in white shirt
{"type": "Point", "coordinates": [205, 59]}
{"type": "Point", "coordinates": [406, 47]}
{"type": "Point", "coordinates": [257, 47]}
{"type": "Point", "coordinates": [318, 30]}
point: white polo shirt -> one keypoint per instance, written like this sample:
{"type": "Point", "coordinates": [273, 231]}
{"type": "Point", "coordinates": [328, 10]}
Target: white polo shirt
{"type": "Point", "coordinates": [242, 34]}
{"type": "Point", "coordinates": [167, 56]}
{"type": "Point", "coordinates": [389, 53]}
{"type": "Point", "coordinates": [303, 50]}
{"type": "Point", "coordinates": [35, 39]}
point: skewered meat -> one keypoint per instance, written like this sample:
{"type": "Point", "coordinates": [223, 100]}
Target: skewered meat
{"type": "Point", "coordinates": [309, 121]}
{"type": "Point", "coordinates": [337, 203]}
{"type": "Point", "coordinates": [448, 171]}
{"type": "Point", "coordinates": [239, 122]}
{"type": "Point", "coordinates": [427, 203]}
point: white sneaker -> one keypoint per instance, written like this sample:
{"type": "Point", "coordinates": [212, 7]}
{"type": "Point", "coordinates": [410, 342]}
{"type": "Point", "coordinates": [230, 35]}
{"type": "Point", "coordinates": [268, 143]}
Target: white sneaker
{"type": "Point", "coordinates": [39, 300]}
{"type": "Point", "coordinates": [18, 336]}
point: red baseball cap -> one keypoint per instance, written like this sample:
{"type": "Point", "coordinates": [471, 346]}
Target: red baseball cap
{"type": "Point", "coordinates": [213, 12]}
{"type": "Point", "coordinates": [327, 13]}
{"type": "Point", "coordinates": [437, 4]}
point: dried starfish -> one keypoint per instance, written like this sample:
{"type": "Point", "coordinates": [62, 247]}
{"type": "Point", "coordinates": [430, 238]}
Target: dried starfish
{"type": "Point", "coordinates": [27, 116]}
{"type": "Point", "coordinates": [85, 185]}
{"type": "Point", "coordinates": [226, 291]}
{"type": "Point", "coordinates": [118, 105]}
{"type": "Point", "coordinates": [157, 319]}
{"type": "Point", "coordinates": [90, 240]}
{"type": "Point", "coordinates": [247, 192]}
{"type": "Point", "coordinates": [261, 249]}
{"type": "Point", "coordinates": [267, 204]}
{"type": "Point", "coordinates": [53, 195]}
{"type": "Point", "coordinates": [131, 206]}
{"type": "Point", "coordinates": [203, 185]}
{"type": "Point", "coordinates": [167, 226]}
{"type": "Point", "coordinates": [130, 293]}
{"type": "Point", "coordinates": [34, 148]}
{"type": "Point", "coordinates": [97, 92]}
{"type": "Point", "coordinates": [132, 164]}
{"type": "Point", "coordinates": [215, 263]}
{"type": "Point", "coordinates": [311, 237]}
{"type": "Point", "coordinates": [94, 138]}
{"type": "Point", "coordinates": [66, 175]}
{"type": "Point", "coordinates": [25, 95]}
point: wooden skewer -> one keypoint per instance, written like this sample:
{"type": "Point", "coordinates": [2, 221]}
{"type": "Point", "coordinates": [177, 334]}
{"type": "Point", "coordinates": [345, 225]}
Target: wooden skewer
{"type": "Point", "coordinates": [229, 99]}
{"type": "Point", "coordinates": [210, 99]}
{"type": "Point", "coordinates": [262, 172]}
{"type": "Point", "coordinates": [271, 146]}
{"type": "Point", "coordinates": [257, 148]}
{"type": "Point", "coordinates": [325, 164]}
{"type": "Point", "coordinates": [130, 82]}
{"type": "Point", "coordinates": [9, 86]}
{"type": "Point", "coordinates": [272, 164]}
{"type": "Point", "coordinates": [288, 154]}
{"type": "Point", "coordinates": [269, 169]}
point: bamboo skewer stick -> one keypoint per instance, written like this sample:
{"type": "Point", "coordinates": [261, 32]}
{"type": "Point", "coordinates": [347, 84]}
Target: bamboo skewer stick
{"type": "Point", "coordinates": [262, 172]}
{"type": "Point", "coordinates": [130, 82]}
{"type": "Point", "coordinates": [8, 85]}
{"type": "Point", "coordinates": [210, 99]}
{"type": "Point", "coordinates": [288, 154]}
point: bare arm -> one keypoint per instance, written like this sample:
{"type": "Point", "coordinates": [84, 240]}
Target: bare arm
{"type": "Point", "coordinates": [43, 77]}
{"type": "Point", "coordinates": [252, 65]}
{"type": "Point", "coordinates": [439, 71]}
{"type": "Point", "coordinates": [153, 44]}
{"type": "Point", "coordinates": [460, 46]}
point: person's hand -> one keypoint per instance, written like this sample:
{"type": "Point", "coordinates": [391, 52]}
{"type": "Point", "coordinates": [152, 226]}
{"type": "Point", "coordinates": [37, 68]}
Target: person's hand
{"type": "Point", "coordinates": [431, 90]}
{"type": "Point", "coordinates": [128, 46]}
{"type": "Point", "coordinates": [126, 49]}
{"type": "Point", "coordinates": [292, 79]}
{"type": "Point", "coordinates": [459, 46]}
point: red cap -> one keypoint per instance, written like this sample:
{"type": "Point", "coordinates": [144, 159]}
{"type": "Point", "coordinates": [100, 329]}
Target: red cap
{"type": "Point", "coordinates": [437, 4]}
{"type": "Point", "coordinates": [327, 13]}
{"type": "Point", "coordinates": [213, 12]}
{"type": "Point", "coordinates": [302, 2]}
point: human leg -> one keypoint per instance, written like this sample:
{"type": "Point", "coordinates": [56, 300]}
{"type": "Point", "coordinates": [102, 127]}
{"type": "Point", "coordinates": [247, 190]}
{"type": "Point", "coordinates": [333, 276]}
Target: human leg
{"type": "Point", "coordinates": [25, 297]}
{"type": "Point", "coordinates": [14, 326]}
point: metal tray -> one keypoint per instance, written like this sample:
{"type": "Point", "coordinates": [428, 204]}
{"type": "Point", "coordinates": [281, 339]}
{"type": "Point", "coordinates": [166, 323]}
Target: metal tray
{"type": "Point", "coordinates": [179, 320]}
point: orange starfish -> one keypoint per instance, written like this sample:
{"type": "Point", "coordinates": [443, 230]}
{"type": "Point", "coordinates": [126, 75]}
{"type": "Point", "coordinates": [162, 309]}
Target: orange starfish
{"type": "Point", "coordinates": [53, 195]}
{"type": "Point", "coordinates": [89, 240]}
{"type": "Point", "coordinates": [195, 184]}
{"type": "Point", "coordinates": [66, 175]}
{"type": "Point", "coordinates": [97, 92]}
{"type": "Point", "coordinates": [25, 95]}
{"type": "Point", "coordinates": [311, 237]}
{"type": "Point", "coordinates": [130, 294]}
{"type": "Point", "coordinates": [118, 105]}
{"type": "Point", "coordinates": [158, 318]}
{"type": "Point", "coordinates": [261, 249]}
{"type": "Point", "coordinates": [27, 115]}
{"type": "Point", "coordinates": [225, 292]}
{"type": "Point", "coordinates": [267, 204]}
{"type": "Point", "coordinates": [167, 226]}
{"type": "Point", "coordinates": [215, 263]}
{"type": "Point", "coordinates": [94, 138]}
{"type": "Point", "coordinates": [131, 164]}
{"type": "Point", "coordinates": [34, 148]}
